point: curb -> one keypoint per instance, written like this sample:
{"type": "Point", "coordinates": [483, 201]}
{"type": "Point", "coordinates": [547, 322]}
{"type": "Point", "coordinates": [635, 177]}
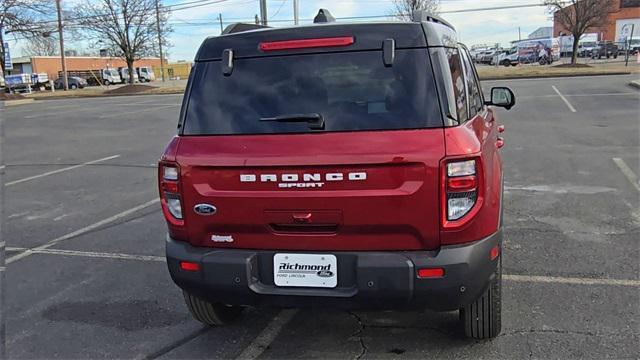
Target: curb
{"type": "Point", "coordinates": [17, 102]}
{"type": "Point", "coordinates": [44, 98]}
{"type": "Point", "coordinates": [544, 76]}
{"type": "Point", "coordinates": [635, 84]}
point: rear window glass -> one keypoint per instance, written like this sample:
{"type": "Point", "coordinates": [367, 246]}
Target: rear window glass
{"type": "Point", "coordinates": [351, 91]}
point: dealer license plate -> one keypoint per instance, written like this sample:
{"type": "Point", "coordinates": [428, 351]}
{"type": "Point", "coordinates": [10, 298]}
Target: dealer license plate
{"type": "Point", "coordinates": [305, 270]}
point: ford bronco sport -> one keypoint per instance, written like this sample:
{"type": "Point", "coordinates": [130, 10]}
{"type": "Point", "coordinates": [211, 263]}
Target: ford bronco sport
{"type": "Point", "coordinates": [350, 165]}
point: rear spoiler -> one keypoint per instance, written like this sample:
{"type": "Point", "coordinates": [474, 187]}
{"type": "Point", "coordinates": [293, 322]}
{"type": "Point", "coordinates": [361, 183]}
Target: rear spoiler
{"type": "Point", "coordinates": [242, 27]}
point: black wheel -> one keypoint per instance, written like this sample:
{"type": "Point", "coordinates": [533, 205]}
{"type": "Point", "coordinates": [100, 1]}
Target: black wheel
{"type": "Point", "coordinates": [482, 318]}
{"type": "Point", "coordinates": [505, 63]}
{"type": "Point", "coordinates": [212, 314]}
{"type": "Point", "coordinates": [73, 86]}
{"type": "Point", "coordinates": [107, 82]}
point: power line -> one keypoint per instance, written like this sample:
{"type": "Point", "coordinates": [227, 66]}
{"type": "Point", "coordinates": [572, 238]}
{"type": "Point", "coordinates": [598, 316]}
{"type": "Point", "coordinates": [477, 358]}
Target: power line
{"type": "Point", "coordinates": [207, 22]}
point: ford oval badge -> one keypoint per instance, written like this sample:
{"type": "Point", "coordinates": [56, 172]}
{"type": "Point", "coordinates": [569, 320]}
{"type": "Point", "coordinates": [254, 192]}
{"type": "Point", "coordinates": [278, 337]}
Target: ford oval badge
{"type": "Point", "coordinates": [325, 273]}
{"type": "Point", "coordinates": [205, 209]}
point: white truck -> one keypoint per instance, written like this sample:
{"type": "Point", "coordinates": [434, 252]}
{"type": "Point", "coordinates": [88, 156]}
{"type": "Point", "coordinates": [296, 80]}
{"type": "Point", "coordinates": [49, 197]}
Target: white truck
{"type": "Point", "coordinates": [124, 75]}
{"type": "Point", "coordinates": [145, 74]}
{"type": "Point", "coordinates": [96, 77]}
{"type": "Point", "coordinates": [27, 82]}
{"type": "Point", "coordinates": [506, 57]}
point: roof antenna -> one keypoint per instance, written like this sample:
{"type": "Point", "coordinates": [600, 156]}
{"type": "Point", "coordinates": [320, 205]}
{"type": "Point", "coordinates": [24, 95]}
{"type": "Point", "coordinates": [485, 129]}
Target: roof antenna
{"type": "Point", "coordinates": [324, 16]}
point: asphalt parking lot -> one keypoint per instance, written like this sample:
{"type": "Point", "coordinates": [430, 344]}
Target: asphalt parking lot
{"type": "Point", "coordinates": [85, 240]}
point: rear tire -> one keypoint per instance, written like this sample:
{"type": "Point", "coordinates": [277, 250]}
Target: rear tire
{"type": "Point", "coordinates": [482, 318]}
{"type": "Point", "coordinates": [212, 314]}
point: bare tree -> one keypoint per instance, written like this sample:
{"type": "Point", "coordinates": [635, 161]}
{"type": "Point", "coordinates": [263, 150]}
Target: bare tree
{"type": "Point", "coordinates": [577, 16]}
{"type": "Point", "coordinates": [24, 18]}
{"type": "Point", "coordinates": [402, 9]}
{"type": "Point", "coordinates": [127, 28]}
{"type": "Point", "coordinates": [45, 45]}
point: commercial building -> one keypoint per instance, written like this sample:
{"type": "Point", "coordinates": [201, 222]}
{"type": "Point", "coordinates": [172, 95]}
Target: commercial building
{"type": "Point", "coordinates": [51, 64]}
{"type": "Point", "coordinates": [541, 33]}
{"type": "Point", "coordinates": [624, 15]}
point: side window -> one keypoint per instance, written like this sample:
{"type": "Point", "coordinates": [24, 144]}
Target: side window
{"type": "Point", "coordinates": [457, 80]}
{"type": "Point", "coordinates": [473, 88]}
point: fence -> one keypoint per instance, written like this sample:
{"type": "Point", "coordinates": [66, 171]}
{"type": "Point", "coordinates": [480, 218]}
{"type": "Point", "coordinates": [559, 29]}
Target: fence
{"type": "Point", "coordinates": [174, 71]}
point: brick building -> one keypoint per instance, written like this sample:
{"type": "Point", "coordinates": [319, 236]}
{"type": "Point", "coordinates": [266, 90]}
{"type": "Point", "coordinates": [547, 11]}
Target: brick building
{"type": "Point", "coordinates": [51, 64]}
{"type": "Point", "coordinates": [624, 13]}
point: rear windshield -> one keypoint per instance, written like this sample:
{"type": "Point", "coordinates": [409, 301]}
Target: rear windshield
{"type": "Point", "coordinates": [351, 91]}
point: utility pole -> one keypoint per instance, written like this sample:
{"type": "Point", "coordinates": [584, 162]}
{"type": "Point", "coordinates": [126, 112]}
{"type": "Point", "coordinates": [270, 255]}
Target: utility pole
{"type": "Point", "coordinates": [3, 268]}
{"type": "Point", "coordinates": [220, 18]}
{"type": "Point", "coordinates": [263, 12]}
{"type": "Point", "coordinates": [65, 81]}
{"type": "Point", "coordinates": [519, 35]}
{"type": "Point", "coordinates": [296, 10]}
{"type": "Point", "coordinates": [626, 61]}
{"type": "Point", "coordinates": [159, 38]}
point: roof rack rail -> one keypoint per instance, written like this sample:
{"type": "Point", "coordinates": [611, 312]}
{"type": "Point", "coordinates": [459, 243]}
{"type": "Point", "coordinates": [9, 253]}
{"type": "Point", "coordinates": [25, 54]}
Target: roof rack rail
{"type": "Point", "coordinates": [241, 27]}
{"type": "Point", "coordinates": [424, 16]}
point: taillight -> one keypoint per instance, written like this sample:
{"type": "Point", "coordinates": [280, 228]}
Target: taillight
{"type": "Point", "coordinates": [171, 200]}
{"type": "Point", "coordinates": [460, 190]}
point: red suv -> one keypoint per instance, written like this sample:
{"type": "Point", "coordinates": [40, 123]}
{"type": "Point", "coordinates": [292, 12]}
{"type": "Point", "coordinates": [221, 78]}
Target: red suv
{"type": "Point", "coordinates": [346, 165]}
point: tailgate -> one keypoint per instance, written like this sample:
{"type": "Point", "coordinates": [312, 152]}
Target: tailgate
{"type": "Point", "coordinates": [332, 191]}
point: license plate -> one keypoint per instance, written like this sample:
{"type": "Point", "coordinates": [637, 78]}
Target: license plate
{"type": "Point", "coordinates": [305, 270]}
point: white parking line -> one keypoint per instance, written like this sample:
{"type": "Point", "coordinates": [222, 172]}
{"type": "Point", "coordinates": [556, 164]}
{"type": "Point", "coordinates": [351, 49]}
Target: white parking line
{"type": "Point", "coordinates": [92, 254]}
{"type": "Point", "coordinates": [267, 335]}
{"type": "Point", "coordinates": [60, 170]}
{"type": "Point", "coordinates": [45, 249]}
{"type": "Point", "coordinates": [79, 232]}
{"type": "Point", "coordinates": [575, 281]}
{"type": "Point", "coordinates": [564, 99]}
{"type": "Point", "coordinates": [135, 111]}
{"type": "Point", "coordinates": [577, 95]}
{"type": "Point", "coordinates": [628, 173]}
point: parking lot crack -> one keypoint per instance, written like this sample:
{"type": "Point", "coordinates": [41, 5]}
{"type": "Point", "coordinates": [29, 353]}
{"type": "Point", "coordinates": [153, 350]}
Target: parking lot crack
{"type": "Point", "coordinates": [359, 333]}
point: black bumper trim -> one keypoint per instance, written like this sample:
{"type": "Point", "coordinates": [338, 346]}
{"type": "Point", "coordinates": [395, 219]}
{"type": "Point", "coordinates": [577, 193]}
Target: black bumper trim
{"type": "Point", "coordinates": [366, 279]}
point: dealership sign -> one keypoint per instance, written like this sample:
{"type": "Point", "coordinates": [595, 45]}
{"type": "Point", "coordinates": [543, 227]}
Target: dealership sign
{"type": "Point", "coordinates": [8, 65]}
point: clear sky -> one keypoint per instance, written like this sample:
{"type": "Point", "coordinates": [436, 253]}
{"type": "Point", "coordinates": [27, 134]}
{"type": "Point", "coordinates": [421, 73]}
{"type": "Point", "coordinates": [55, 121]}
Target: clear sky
{"type": "Point", "coordinates": [192, 25]}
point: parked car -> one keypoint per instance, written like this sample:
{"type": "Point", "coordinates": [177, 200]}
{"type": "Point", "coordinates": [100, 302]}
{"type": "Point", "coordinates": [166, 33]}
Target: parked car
{"type": "Point", "coordinates": [104, 76]}
{"type": "Point", "coordinates": [606, 49]}
{"type": "Point", "coordinates": [586, 48]}
{"type": "Point", "coordinates": [311, 168]}
{"type": "Point", "coordinates": [73, 81]}
{"type": "Point", "coordinates": [486, 56]}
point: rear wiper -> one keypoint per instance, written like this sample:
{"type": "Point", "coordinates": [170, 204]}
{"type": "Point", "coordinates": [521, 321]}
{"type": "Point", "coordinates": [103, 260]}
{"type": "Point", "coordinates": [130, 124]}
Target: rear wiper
{"type": "Point", "coordinates": [315, 120]}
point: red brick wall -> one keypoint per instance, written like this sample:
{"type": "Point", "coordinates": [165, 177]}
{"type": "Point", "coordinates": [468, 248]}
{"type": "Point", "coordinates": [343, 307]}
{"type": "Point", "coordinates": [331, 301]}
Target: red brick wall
{"type": "Point", "coordinates": [51, 64]}
{"type": "Point", "coordinates": [608, 31]}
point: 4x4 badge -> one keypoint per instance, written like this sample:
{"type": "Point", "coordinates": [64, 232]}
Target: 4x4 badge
{"type": "Point", "coordinates": [205, 209]}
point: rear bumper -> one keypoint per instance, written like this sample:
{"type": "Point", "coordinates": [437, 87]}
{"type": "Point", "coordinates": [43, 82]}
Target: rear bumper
{"type": "Point", "coordinates": [367, 279]}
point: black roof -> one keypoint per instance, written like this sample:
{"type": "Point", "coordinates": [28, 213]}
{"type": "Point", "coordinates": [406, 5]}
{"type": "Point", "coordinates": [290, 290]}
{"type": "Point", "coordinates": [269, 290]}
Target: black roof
{"type": "Point", "coordinates": [367, 36]}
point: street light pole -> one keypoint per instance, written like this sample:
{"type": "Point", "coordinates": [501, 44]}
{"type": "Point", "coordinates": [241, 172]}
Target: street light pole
{"type": "Point", "coordinates": [159, 38]}
{"type": "Point", "coordinates": [63, 60]}
{"type": "Point", "coordinates": [263, 12]}
{"type": "Point", "coordinates": [296, 9]}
